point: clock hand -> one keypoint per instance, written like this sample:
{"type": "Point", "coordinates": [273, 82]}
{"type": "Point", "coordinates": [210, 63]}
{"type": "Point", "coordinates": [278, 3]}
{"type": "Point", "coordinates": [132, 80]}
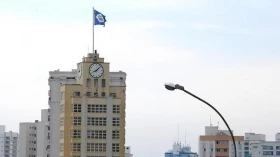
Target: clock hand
{"type": "Point", "coordinates": [96, 69]}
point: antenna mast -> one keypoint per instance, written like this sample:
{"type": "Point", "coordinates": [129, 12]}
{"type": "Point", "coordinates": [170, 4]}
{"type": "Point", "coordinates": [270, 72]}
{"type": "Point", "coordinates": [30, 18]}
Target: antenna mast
{"type": "Point", "coordinates": [178, 133]}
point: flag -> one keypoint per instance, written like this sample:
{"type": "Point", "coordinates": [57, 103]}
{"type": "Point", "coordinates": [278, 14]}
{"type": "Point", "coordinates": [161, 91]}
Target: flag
{"type": "Point", "coordinates": [99, 19]}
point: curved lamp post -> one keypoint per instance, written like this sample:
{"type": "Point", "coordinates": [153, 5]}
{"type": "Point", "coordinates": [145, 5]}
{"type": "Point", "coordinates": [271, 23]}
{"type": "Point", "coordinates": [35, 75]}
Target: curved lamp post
{"type": "Point", "coordinates": [171, 86]}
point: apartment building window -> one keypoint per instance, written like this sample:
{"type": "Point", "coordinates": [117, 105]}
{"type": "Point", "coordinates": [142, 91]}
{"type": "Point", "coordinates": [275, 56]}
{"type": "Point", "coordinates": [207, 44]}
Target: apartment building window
{"type": "Point", "coordinates": [76, 133]}
{"type": "Point", "coordinates": [76, 147]}
{"type": "Point", "coordinates": [95, 82]}
{"type": "Point", "coordinates": [277, 147]}
{"type": "Point", "coordinates": [113, 95]}
{"type": "Point", "coordinates": [61, 121]}
{"type": "Point", "coordinates": [96, 134]}
{"type": "Point", "coordinates": [62, 108]}
{"type": "Point", "coordinates": [116, 134]}
{"type": "Point", "coordinates": [96, 121]}
{"type": "Point", "coordinates": [116, 108]}
{"type": "Point", "coordinates": [267, 147]}
{"type": "Point", "coordinates": [97, 108]}
{"type": "Point", "coordinates": [61, 133]}
{"type": "Point", "coordinates": [62, 95]}
{"type": "Point", "coordinates": [96, 147]}
{"type": "Point", "coordinates": [77, 108]}
{"type": "Point", "coordinates": [77, 94]}
{"type": "Point", "coordinates": [116, 121]}
{"type": "Point", "coordinates": [95, 94]}
{"type": "Point", "coordinates": [225, 150]}
{"type": "Point", "coordinates": [278, 153]}
{"type": "Point", "coordinates": [76, 120]}
{"type": "Point", "coordinates": [267, 152]}
{"type": "Point", "coordinates": [103, 82]}
{"type": "Point", "coordinates": [61, 147]}
{"type": "Point", "coordinates": [115, 147]}
{"type": "Point", "coordinates": [103, 94]}
{"type": "Point", "coordinates": [218, 150]}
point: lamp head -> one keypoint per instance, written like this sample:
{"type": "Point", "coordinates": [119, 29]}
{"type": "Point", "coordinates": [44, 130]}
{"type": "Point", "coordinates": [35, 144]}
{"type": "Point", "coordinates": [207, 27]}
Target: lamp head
{"type": "Point", "coordinates": [170, 86]}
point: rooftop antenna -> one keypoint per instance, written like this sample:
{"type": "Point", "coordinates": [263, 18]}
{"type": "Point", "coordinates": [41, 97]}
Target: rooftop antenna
{"type": "Point", "coordinates": [210, 121]}
{"type": "Point", "coordinates": [185, 137]}
{"type": "Point", "coordinates": [178, 133]}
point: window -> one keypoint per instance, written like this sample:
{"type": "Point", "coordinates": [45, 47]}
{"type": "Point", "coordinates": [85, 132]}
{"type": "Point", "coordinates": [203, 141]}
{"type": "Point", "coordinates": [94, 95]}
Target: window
{"type": "Point", "coordinates": [76, 120]}
{"type": "Point", "coordinates": [267, 147]}
{"type": "Point", "coordinates": [116, 108]}
{"type": "Point", "coordinates": [115, 147]}
{"type": "Point", "coordinates": [95, 82]}
{"type": "Point", "coordinates": [61, 147]}
{"type": "Point", "coordinates": [96, 147]}
{"type": "Point", "coordinates": [88, 82]}
{"type": "Point", "coordinates": [76, 133]}
{"type": "Point", "coordinates": [116, 134]}
{"type": "Point", "coordinates": [88, 94]}
{"type": "Point", "coordinates": [103, 82]}
{"type": "Point", "coordinates": [95, 94]}
{"type": "Point", "coordinates": [77, 94]}
{"type": "Point", "coordinates": [62, 108]}
{"type": "Point", "coordinates": [62, 95]}
{"type": "Point", "coordinates": [113, 95]}
{"type": "Point", "coordinates": [225, 150]}
{"type": "Point", "coordinates": [267, 152]}
{"type": "Point", "coordinates": [103, 94]}
{"type": "Point", "coordinates": [218, 150]}
{"type": "Point", "coordinates": [76, 147]}
{"type": "Point", "coordinates": [77, 108]}
{"type": "Point", "coordinates": [97, 108]}
{"type": "Point", "coordinates": [94, 121]}
{"type": "Point", "coordinates": [61, 121]}
{"type": "Point", "coordinates": [277, 147]}
{"type": "Point", "coordinates": [61, 133]}
{"type": "Point", "coordinates": [96, 134]}
{"type": "Point", "coordinates": [116, 121]}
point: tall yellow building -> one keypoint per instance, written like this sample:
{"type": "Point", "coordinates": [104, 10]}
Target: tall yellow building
{"type": "Point", "coordinates": [93, 111]}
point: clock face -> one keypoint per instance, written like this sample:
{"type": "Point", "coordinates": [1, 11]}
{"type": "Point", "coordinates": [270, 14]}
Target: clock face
{"type": "Point", "coordinates": [80, 69]}
{"type": "Point", "coordinates": [96, 70]}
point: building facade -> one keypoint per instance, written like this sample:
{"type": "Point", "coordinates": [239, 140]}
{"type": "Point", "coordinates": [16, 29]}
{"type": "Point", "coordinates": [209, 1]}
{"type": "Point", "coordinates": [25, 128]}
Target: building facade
{"type": "Point", "coordinates": [180, 151]}
{"type": "Point", "coordinates": [252, 139]}
{"type": "Point", "coordinates": [9, 142]}
{"type": "Point", "coordinates": [56, 79]}
{"type": "Point", "coordinates": [92, 118]}
{"type": "Point", "coordinates": [128, 152]}
{"type": "Point", "coordinates": [258, 146]}
{"type": "Point", "coordinates": [218, 143]}
{"type": "Point", "coordinates": [34, 137]}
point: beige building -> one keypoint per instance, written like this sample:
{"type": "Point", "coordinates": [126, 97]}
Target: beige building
{"type": "Point", "coordinates": [218, 143]}
{"type": "Point", "coordinates": [92, 119]}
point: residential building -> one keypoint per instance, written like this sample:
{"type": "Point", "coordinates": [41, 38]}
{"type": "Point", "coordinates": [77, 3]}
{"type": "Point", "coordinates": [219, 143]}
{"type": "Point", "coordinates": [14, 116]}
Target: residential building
{"type": "Point", "coordinates": [56, 79]}
{"type": "Point", "coordinates": [128, 151]}
{"type": "Point", "coordinates": [218, 143]}
{"type": "Point", "coordinates": [34, 137]}
{"type": "Point", "coordinates": [252, 138]}
{"type": "Point", "coordinates": [92, 118]}
{"type": "Point", "coordinates": [9, 142]}
{"type": "Point", "coordinates": [259, 147]}
{"type": "Point", "coordinates": [180, 151]}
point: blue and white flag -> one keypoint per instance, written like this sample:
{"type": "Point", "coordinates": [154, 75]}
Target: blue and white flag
{"type": "Point", "coordinates": [99, 19]}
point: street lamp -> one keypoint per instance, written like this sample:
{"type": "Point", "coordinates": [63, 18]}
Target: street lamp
{"type": "Point", "coordinates": [171, 86]}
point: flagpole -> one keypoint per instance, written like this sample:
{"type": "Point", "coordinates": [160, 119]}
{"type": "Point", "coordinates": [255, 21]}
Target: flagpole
{"type": "Point", "coordinates": [93, 30]}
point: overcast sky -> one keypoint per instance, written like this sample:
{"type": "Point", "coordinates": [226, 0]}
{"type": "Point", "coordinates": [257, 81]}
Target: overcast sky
{"type": "Point", "coordinates": [226, 52]}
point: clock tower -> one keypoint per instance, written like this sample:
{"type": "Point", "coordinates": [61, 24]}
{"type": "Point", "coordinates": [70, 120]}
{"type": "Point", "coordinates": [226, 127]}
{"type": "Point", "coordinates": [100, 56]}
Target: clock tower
{"type": "Point", "coordinates": [93, 111]}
